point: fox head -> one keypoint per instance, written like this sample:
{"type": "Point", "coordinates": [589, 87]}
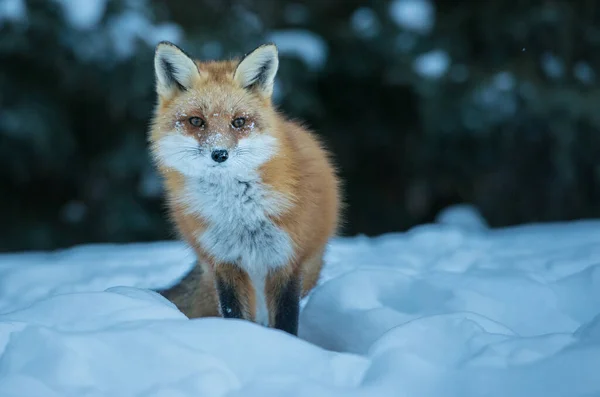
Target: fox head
{"type": "Point", "coordinates": [214, 118]}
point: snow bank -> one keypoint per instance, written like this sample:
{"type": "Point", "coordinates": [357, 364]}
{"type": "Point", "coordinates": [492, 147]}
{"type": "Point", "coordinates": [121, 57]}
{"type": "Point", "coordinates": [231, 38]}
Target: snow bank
{"type": "Point", "coordinates": [446, 309]}
{"type": "Point", "coordinates": [463, 215]}
{"type": "Point", "coordinates": [28, 277]}
{"type": "Point", "coordinates": [127, 342]}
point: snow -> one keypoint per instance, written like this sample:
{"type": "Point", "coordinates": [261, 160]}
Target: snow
{"type": "Point", "coordinates": [504, 81]}
{"type": "Point", "coordinates": [446, 309]}
{"type": "Point", "coordinates": [463, 215]}
{"type": "Point", "coordinates": [83, 15]}
{"type": "Point", "coordinates": [150, 185]}
{"type": "Point", "coordinates": [28, 277]}
{"type": "Point", "coordinates": [130, 26]}
{"type": "Point", "coordinates": [96, 35]}
{"type": "Point", "coordinates": [432, 65]}
{"type": "Point", "coordinates": [584, 72]}
{"type": "Point", "coordinates": [365, 23]}
{"type": "Point", "coordinates": [303, 44]}
{"type": "Point", "coordinates": [413, 15]}
{"type": "Point", "coordinates": [552, 65]}
{"type": "Point", "coordinates": [12, 10]}
{"type": "Point", "coordinates": [494, 100]}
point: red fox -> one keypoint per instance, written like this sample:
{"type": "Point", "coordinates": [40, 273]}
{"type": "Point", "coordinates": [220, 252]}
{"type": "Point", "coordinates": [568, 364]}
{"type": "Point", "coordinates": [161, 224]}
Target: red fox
{"type": "Point", "coordinates": [254, 194]}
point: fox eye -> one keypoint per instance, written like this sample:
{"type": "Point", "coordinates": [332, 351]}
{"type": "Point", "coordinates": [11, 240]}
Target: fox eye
{"type": "Point", "coordinates": [196, 122]}
{"type": "Point", "coordinates": [239, 122]}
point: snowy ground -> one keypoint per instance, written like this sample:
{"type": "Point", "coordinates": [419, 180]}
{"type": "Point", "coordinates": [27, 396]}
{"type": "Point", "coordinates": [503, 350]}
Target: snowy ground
{"type": "Point", "coordinates": [448, 309]}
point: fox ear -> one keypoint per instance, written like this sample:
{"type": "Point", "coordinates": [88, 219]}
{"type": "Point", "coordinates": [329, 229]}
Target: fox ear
{"type": "Point", "coordinates": [258, 69]}
{"type": "Point", "coordinates": [175, 70]}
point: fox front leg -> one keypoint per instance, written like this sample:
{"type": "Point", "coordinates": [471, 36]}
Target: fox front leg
{"type": "Point", "coordinates": [283, 289]}
{"type": "Point", "coordinates": [235, 292]}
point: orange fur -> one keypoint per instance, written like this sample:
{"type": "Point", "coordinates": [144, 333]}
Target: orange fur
{"type": "Point", "coordinates": [301, 171]}
{"type": "Point", "coordinates": [195, 295]}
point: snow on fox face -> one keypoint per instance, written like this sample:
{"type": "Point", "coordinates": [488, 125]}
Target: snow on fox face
{"type": "Point", "coordinates": [215, 141]}
{"type": "Point", "coordinates": [213, 118]}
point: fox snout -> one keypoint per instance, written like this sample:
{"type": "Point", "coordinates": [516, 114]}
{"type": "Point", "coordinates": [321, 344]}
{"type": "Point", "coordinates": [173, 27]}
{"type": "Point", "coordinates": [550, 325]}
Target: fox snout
{"type": "Point", "coordinates": [218, 145]}
{"type": "Point", "coordinates": [219, 155]}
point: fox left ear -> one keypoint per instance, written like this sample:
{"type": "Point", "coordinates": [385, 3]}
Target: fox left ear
{"type": "Point", "coordinates": [175, 70]}
{"type": "Point", "coordinates": [258, 69]}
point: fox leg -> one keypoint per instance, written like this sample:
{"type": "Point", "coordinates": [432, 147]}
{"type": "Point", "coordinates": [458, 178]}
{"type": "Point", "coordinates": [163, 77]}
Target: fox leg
{"type": "Point", "coordinates": [235, 292]}
{"type": "Point", "coordinates": [195, 294]}
{"type": "Point", "coordinates": [283, 295]}
{"type": "Point", "coordinates": [237, 297]}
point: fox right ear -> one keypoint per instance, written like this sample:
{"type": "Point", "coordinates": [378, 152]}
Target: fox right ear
{"type": "Point", "coordinates": [175, 70]}
{"type": "Point", "coordinates": [258, 69]}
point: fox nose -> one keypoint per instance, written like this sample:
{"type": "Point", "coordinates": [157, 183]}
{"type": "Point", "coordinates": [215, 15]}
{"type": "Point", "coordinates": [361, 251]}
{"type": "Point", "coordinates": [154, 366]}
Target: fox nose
{"type": "Point", "coordinates": [219, 155]}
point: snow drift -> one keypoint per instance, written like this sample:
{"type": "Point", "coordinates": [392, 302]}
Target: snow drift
{"type": "Point", "coordinates": [448, 309]}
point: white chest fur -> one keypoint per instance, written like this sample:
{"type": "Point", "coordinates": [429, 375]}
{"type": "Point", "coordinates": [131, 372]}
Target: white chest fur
{"type": "Point", "coordinates": [239, 229]}
{"type": "Point", "coordinates": [234, 203]}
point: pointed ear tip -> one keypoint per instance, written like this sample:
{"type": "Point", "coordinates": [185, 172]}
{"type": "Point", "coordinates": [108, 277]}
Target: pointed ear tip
{"type": "Point", "coordinates": [271, 46]}
{"type": "Point", "coordinates": [166, 45]}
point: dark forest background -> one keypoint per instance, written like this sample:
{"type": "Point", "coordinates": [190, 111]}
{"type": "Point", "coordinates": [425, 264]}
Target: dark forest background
{"type": "Point", "coordinates": [424, 103]}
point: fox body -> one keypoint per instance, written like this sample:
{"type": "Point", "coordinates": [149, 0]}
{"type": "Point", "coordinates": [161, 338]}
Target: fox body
{"type": "Point", "coordinates": [253, 193]}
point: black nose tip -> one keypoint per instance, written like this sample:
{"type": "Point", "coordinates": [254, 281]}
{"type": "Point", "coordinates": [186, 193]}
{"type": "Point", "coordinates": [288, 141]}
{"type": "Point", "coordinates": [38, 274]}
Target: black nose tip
{"type": "Point", "coordinates": [219, 155]}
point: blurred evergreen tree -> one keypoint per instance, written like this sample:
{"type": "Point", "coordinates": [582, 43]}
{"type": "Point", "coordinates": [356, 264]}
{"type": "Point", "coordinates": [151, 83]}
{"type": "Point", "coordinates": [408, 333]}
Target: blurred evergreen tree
{"type": "Point", "coordinates": [424, 104]}
{"type": "Point", "coordinates": [76, 94]}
